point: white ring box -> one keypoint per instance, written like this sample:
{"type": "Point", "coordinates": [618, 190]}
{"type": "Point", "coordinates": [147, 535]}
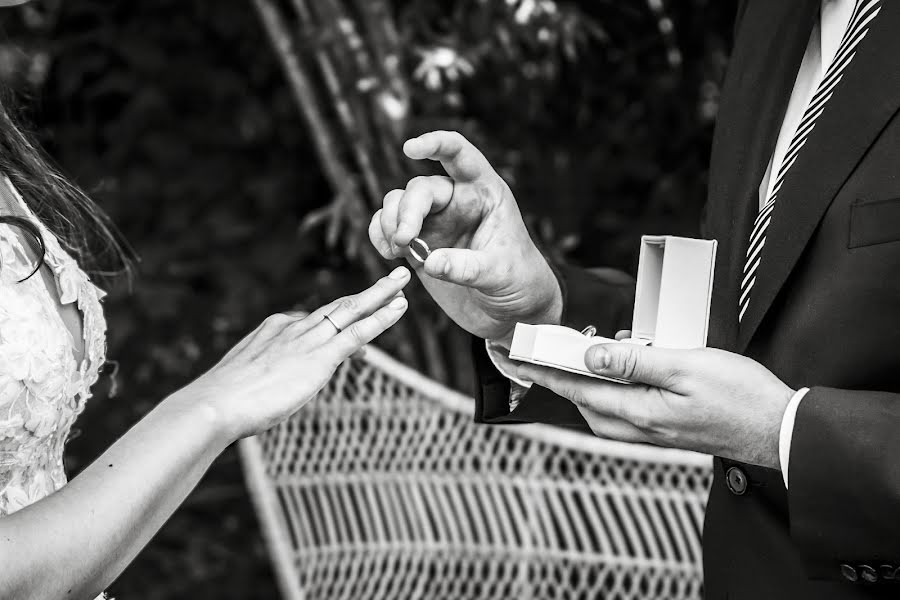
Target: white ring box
{"type": "Point", "coordinates": [671, 308]}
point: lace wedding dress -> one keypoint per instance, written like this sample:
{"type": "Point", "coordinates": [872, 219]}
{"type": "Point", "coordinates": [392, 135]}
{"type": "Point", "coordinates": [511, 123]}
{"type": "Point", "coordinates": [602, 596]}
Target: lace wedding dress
{"type": "Point", "coordinates": [44, 383]}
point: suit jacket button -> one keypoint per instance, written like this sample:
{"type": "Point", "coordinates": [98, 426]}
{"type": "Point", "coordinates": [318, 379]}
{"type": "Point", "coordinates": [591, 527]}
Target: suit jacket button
{"type": "Point", "coordinates": [849, 572]}
{"type": "Point", "coordinates": [868, 574]}
{"type": "Point", "coordinates": [888, 572]}
{"type": "Point", "coordinates": [736, 480]}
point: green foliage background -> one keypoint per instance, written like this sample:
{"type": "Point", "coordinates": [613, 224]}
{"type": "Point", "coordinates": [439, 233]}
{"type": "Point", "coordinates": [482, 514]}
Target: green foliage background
{"type": "Point", "coordinates": [174, 114]}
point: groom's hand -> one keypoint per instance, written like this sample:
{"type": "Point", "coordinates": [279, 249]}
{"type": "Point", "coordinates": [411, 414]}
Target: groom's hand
{"type": "Point", "coordinates": [485, 271]}
{"type": "Point", "coordinates": [704, 400]}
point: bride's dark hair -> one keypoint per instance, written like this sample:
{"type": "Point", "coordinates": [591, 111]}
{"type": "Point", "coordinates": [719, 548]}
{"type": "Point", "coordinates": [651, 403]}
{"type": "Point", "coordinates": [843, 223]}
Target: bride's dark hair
{"type": "Point", "coordinates": [81, 226]}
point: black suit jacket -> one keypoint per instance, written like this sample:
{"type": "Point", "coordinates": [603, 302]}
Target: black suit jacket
{"type": "Point", "coordinates": [825, 314]}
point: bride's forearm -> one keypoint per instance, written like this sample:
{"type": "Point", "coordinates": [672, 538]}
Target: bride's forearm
{"type": "Point", "coordinates": [77, 541]}
{"type": "Point", "coordinates": [74, 543]}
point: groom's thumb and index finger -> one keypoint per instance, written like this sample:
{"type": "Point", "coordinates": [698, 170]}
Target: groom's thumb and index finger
{"type": "Point", "coordinates": [470, 268]}
{"type": "Point", "coordinates": [464, 163]}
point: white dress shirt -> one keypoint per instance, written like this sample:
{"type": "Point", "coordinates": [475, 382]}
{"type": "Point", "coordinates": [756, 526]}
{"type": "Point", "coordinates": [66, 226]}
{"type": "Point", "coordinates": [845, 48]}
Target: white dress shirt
{"type": "Point", "coordinates": [823, 44]}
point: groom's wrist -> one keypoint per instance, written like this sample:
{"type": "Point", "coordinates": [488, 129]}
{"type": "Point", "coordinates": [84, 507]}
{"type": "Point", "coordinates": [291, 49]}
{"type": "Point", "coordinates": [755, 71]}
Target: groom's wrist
{"type": "Point", "coordinates": [547, 309]}
{"type": "Point", "coordinates": [552, 313]}
{"type": "Point", "coordinates": [550, 305]}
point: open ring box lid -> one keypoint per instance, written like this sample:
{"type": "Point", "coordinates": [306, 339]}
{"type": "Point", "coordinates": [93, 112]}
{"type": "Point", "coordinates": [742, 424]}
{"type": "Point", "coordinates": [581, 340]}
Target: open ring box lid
{"type": "Point", "coordinates": [671, 308]}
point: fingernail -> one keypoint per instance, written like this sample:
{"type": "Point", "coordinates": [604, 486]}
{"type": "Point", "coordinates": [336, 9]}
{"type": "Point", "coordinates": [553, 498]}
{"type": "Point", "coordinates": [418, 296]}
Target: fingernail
{"type": "Point", "coordinates": [398, 303]}
{"type": "Point", "coordinates": [399, 273]}
{"type": "Point", "coordinates": [598, 357]}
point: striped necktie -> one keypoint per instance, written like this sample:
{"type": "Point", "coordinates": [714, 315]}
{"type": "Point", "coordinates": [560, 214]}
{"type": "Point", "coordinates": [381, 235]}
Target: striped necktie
{"type": "Point", "coordinates": [857, 27]}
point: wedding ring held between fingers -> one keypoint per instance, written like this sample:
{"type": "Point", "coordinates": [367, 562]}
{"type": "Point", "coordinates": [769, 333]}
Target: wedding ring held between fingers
{"type": "Point", "coordinates": [419, 249]}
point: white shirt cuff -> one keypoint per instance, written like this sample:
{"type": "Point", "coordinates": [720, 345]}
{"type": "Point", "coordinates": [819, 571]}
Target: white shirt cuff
{"type": "Point", "coordinates": [499, 355]}
{"type": "Point", "coordinates": [787, 432]}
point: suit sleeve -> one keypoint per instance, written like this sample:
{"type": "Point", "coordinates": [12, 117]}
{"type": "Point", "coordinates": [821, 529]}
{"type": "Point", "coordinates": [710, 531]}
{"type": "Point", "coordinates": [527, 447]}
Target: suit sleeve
{"type": "Point", "coordinates": [603, 298]}
{"type": "Point", "coordinates": [844, 474]}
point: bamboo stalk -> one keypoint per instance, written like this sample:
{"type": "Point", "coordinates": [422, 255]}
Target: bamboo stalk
{"type": "Point", "coordinates": [341, 177]}
{"type": "Point", "coordinates": [385, 46]}
{"type": "Point", "coordinates": [353, 130]}
{"type": "Point", "coordinates": [429, 344]}
{"type": "Point", "coordinates": [302, 88]}
{"type": "Point", "coordinates": [360, 59]}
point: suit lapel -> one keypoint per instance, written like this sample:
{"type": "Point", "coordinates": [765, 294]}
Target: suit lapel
{"type": "Point", "coordinates": [864, 101]}
{"type": "Point", "coordinates": [768, 49]}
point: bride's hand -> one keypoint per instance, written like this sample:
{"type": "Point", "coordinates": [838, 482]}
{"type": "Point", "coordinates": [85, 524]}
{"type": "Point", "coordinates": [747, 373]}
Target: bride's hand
{"type": "Point", "coordinates": [279, 367]}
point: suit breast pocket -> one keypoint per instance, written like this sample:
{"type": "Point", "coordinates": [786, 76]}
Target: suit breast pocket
{"type": "Point", "coordinates": [874, 222]}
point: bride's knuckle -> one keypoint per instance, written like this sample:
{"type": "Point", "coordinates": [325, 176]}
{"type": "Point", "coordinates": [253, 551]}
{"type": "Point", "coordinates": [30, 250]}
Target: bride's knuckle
{"type": "Point", "coordinates": [356, 333]}
{"type": "Point", "coordinates": [276, 320]}
{"type": "Point", "coordinates": [297, 323]}
{"type": "Point", "coordinates": [350, 304]}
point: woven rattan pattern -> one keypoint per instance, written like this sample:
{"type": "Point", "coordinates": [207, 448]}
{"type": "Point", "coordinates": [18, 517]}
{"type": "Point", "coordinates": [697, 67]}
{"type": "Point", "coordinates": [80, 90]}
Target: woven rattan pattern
{"type": "Point", "coordinates": [385, 488]}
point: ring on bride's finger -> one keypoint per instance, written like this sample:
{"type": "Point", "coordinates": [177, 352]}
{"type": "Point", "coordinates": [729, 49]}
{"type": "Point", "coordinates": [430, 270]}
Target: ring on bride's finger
{"type": "Point", "coordinates": [419, 249]}
{"type": "Point", "coordinates": [335, 325]}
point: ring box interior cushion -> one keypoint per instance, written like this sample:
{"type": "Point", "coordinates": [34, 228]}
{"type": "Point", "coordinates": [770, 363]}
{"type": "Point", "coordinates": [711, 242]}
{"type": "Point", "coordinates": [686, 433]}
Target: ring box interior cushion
{"type": "Point", "coordinates": [671, 308]}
